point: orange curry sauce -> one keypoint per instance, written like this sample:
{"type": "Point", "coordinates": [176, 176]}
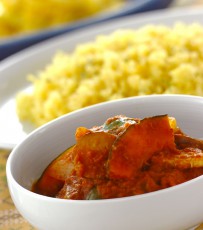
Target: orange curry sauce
{"type": "Point", "coordinates": [123, 157]}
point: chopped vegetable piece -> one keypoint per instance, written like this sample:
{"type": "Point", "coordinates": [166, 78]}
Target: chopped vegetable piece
{"type": "Point", "coordinates": [140, 141]}
{"type": "Point", "coordinates": [92, 152]}
{"type": "Point", "coordinates": [53, 178]}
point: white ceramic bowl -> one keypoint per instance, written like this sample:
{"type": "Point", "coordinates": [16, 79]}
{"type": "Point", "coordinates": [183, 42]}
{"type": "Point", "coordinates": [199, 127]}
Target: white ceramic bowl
{"type": "Point", "coordinates": [179, 207]}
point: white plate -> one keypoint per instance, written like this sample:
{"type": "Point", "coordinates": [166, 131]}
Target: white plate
{"type": "Point", "coordinates": [14, 70]}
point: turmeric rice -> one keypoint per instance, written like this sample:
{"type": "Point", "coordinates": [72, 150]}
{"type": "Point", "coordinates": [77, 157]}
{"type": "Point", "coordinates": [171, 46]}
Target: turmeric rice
{"type": "Point", "coordinates": [153, 59]}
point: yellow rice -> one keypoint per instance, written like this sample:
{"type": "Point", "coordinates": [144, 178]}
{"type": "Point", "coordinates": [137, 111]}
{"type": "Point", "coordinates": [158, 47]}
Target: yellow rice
{"type": "Point", "coordinates": [154, 59]}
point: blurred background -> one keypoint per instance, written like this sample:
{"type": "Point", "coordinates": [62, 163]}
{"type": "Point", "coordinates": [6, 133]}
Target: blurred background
{"type": "Point", "coordinates": [27, 22]}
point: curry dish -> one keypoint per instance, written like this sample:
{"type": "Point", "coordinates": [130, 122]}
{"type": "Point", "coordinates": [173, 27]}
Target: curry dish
{"type": "Point", "coordinates": [123, 157]}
